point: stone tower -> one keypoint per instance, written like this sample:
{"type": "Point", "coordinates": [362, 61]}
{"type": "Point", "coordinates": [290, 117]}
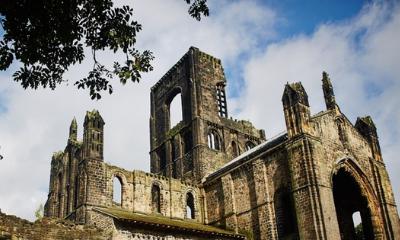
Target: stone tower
{"type": "Point", "coordinates": [367, 128]}
{"type": "Point", "coordinates": [306, 163]}
{"type": "Point", "coordinates": [205, 139]}
{"type": "Point", "coordinates": [73, 129]}
{"type": "Point", "coordinates": [296, 109]}
{"type": "Point", "coordinates": [93, 135]}
{"type": "Point", "coordinates": [328, 92]}
{"type": "Point", "coordinates": [76, 174]}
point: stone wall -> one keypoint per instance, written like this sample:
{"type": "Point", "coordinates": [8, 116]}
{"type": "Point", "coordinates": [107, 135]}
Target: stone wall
{"type": "Point", "coordinates": [309, 185]}
{"type": "Point", "coordinates": [206, 138]}
{"type": "Point", "coordinates": [76, 184]}
{"type": "Point", "coordinates": [12, 227]}
{"type": "Point", "coordinates": [243, 199]}
{"type": "Point", "coordinates": [173, 196]}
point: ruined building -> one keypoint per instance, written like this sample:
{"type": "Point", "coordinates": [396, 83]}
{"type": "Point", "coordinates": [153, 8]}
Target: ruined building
{"type": "Point", "coordinates": [216, 178]}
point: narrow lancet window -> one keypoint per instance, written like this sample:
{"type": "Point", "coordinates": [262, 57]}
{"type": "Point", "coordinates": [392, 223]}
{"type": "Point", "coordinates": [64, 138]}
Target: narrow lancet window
{"type": "Point", "coordinates": [190, 206]}
{"type": "Point", "coordinates": [156, 199]}
{"type": "Point", "coordinates": [117, 191]}
{"type": "Point", "coordinates": [235, 149]}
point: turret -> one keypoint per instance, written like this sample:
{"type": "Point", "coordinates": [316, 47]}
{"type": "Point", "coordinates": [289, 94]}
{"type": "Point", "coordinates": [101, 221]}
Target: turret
{"type": "Point", "coordinates": [73, 129]}
{"type": "Point", "coordinates": [296, 109]}
{"type": "Point", "coordinates": [93, 136]}
{"type": "Point", "coordinates": [328, 92]}
{"type": "Point", "coordinates": [368, 129]}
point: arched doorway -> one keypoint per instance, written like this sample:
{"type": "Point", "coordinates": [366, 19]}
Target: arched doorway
{"type": "Point", "coordinates": [352, 193]}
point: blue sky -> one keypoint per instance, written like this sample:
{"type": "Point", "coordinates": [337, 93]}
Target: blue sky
{"type": "Point", "coordinates": [262, 45]}
{"type": "Point", "coordinates": [304, 16]}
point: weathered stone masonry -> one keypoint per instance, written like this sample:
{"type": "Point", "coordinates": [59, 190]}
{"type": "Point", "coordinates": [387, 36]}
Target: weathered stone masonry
{"type": "Point", "coordinates": [206, 138]}
{"type": "Point", "coordinates": [210, 170]}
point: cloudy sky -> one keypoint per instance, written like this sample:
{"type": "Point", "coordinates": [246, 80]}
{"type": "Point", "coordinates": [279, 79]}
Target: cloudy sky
{"type": "Point", "coordinates": [262, 45]}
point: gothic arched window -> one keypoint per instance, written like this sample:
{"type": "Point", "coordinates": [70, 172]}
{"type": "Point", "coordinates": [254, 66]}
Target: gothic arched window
{"type": "Point", "coordinates": [117, 191]}
{"type": "Point", "coordinates": [214, 140]}
{"type": "Point", "coordinates": [156, 199]}
{"type": "Point", "coordinates": [235, 149]}
{"type": "Point", "coordinates": [190, 206]}
{"type": "Point", "coordinates": [173, 108]}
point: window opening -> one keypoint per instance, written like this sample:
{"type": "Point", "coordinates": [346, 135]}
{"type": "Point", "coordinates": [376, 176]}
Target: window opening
{"type": "Point", "coordinates": [68, 201]}
{"type": "Point", "coordinates": [211, 143]}
{"type": "Point", "coordinates": [163, 160]}
{"type": "Point", "coordinates": [117, 191]}
{"type": "Point", "coordinates": [173, 155]}
{"type": "Point", "coordinates": [284, 215]}
{"type": "Point", "coordinates": [187, 138]}
{"type": "Point", "coordinates": [59, 195]}
{"type": "Point", "coordinates": [155, 198]}
{"type": "Point", "coordinates": [350, 211]}
{"type": "Point", "coordinates": [214, 141]}
{"type": "Point", "coordinates": [358, 225]}
{"type": "Point", "coordinates": [249, 145]}
{"type": "Point", "coordinates": [175, 110]}
{"type": "Point", "coordinates": [235, 149]}
{"type": "Point", "coordinates": [190, 206]}
{"type": "Point", "coordinates": [222, 109]}
{"type": "Point", "coordinates": [76, 192]}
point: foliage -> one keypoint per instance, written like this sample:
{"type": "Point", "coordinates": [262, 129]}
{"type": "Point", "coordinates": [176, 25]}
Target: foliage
{"type": "Point", "coordinates": [48, 36]}
{"type": "Point", "coordinates": [39, 213]}
{"type": "Point", "coordinates": [359, 232]}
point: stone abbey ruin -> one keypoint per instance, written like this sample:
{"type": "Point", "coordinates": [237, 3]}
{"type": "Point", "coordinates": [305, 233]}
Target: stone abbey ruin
{"type": "Point", "coordinates": [215, 178]}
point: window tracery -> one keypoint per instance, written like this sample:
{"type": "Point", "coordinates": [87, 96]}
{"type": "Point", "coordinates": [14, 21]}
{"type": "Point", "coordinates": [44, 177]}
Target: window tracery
{"type": "Point", "coordinates": [214, 140]}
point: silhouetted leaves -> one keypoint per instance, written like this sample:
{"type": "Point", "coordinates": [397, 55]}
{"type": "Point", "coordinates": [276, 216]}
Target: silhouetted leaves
{"type": "Point", "coordinates": [47, 37]}
{"type": "Point", "coordinates": [197, 8]}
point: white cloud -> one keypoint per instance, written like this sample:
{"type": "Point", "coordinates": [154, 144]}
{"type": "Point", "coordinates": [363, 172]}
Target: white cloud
{"type": "Point", "coordinates": [36, 123]}
{"type": "Point", "coordinates": [361, 55]}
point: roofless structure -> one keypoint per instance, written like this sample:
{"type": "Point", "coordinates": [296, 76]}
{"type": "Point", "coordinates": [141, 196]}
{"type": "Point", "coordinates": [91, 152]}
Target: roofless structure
{"type": "Point", "coordinates": [216, 178]}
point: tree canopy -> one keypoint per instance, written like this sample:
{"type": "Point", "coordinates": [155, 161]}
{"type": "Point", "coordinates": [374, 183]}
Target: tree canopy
{"type": "Point", "coordinates": [48, 36]}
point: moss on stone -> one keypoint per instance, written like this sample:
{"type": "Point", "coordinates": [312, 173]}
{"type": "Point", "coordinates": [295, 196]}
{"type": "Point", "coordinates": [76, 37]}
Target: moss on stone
{"type": "Point", "coordinates": [158, 219]}
{"type": "Point", "coordinates": [173, 131]}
